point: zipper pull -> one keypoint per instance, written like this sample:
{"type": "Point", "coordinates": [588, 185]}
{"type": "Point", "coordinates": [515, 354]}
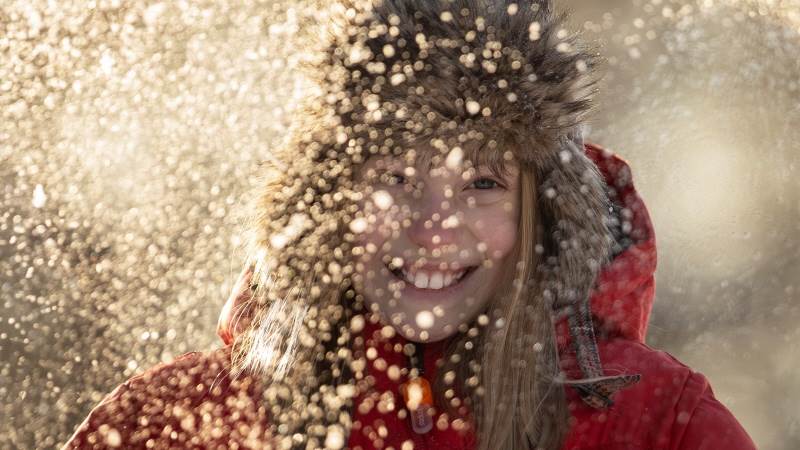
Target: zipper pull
{"type": "Point", "coordinates": [418, 395]}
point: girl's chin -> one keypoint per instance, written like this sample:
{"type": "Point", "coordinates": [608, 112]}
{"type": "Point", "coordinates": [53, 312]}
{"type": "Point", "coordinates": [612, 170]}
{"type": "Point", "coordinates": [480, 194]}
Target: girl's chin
{"type": "Point", "coordinates": [408, 329]}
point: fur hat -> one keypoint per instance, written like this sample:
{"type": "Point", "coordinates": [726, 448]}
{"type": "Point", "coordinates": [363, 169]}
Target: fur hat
{"type": "Point", "coordinates": [400, 72]}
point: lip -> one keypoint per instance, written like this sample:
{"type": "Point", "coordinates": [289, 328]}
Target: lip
{"type": "Point", "coordinates": [434, 294]}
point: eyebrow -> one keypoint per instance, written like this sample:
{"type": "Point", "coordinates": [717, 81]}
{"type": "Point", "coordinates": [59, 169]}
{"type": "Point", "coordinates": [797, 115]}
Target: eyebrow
{"type": "Point", "coordinates": [505, 174]}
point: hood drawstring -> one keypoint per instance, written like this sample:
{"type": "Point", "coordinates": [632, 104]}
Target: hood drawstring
{"type": "Point", "coordinates": [417, 392]}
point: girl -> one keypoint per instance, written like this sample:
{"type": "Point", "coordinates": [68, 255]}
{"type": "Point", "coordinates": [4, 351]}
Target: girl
{"type": "Point", "coordinates": [442, 263]}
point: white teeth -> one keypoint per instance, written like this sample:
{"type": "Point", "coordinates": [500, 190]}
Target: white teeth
{"type": "Point", "coordinates": [434, 279]}
{"type": "Point", "coordinates": [409, 276]}
{"type": "Point", "coordinates": [421, 281]}
{"type": "Point", "coordinates": [448, 279]}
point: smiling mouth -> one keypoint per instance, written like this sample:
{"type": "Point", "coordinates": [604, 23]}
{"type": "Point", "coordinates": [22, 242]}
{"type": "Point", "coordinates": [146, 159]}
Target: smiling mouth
{"type": "Point", "coordinates": [432, 280]}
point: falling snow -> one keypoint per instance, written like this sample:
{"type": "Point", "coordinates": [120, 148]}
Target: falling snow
{"type": "Point", "coordinates": [134, 136]}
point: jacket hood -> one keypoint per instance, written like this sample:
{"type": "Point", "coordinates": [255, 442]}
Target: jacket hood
{"type": "Point", "coordinates": [622, 298]}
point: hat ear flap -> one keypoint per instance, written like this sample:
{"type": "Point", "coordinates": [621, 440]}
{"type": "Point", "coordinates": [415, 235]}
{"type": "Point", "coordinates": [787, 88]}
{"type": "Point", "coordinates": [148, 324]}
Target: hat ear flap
{"type": "Point", "coordinates": [576, 136]}
{"type": "Point", "coordinates": [575, 202]}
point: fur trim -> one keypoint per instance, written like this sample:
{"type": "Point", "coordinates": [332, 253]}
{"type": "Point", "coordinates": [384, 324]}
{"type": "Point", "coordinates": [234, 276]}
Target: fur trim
{"type": "Point", "coordinates": [420, 68]}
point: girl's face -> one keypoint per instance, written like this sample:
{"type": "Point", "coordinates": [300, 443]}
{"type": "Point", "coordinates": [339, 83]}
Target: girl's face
{"type": "Point", "coordinates": [435, 240]}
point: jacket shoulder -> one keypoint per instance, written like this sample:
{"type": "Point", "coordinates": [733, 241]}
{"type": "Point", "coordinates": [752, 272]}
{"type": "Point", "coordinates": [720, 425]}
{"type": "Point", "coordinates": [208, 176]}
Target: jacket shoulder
{"type": "Point", "coordinates": [185, 402]}
{"type": "Point", "coordinates": [672, 407]}
{"type": "Point", "coordinates": [704, 422]}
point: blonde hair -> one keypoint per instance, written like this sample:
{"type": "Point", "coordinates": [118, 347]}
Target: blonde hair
{"type": "Point", "coordinates": [517, 403]}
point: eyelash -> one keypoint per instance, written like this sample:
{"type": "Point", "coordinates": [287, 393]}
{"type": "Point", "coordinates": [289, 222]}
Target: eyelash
{"type": "Point", "coordinates": [497, 184]}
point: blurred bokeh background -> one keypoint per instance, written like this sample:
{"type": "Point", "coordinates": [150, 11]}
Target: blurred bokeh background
{"type": "Point", "coordinates": [131, 134]}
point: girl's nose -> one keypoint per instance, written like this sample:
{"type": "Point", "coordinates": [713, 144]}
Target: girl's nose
{"type": "Point", "coordinates": [434, 222]}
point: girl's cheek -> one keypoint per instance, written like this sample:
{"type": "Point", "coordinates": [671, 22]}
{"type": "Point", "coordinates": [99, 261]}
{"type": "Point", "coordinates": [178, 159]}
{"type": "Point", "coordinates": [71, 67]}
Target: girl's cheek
{"type": "Point", "coordinates": [495, 226]}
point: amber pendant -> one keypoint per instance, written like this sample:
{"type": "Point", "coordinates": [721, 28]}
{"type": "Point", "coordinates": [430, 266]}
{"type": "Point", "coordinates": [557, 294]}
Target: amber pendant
{"type": "Point", "coordinates": [419, 401]}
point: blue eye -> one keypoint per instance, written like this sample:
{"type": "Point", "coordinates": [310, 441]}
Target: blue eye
{"type": "Point", "coordinates": [485, 183]}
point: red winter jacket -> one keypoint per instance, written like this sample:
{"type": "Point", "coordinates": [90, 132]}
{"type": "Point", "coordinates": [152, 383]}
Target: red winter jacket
{"type": "Point", "coordinates": [192, 402]}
